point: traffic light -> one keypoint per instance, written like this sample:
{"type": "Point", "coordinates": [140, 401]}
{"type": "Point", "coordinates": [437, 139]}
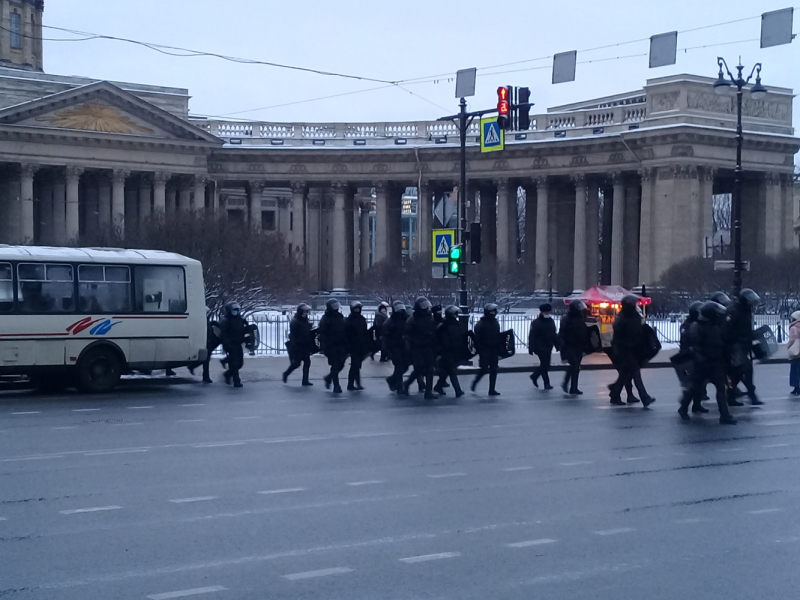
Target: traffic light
{"type": "Point", "coordinates": [454, 260]}
{"type": "Point", "coordinates": [524, 112]}
{"type": "Point", "coordinates": [503, 107]}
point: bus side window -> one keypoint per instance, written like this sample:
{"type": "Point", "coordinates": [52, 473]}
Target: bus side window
{"type": "Point", "coordinates": [45, 288]}
{"type": "Point", "coordinates": [160, 289]}
{"type": "Point", "coordinates": [6, 288]}
{"type": "Point", "coordinates": [104, 289]}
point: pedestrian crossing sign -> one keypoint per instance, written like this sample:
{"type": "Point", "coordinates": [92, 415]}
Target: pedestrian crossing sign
{"type": "Point", "coordinates": [492, 137]}
{"type": "Point", "coordinates": [442, 240]}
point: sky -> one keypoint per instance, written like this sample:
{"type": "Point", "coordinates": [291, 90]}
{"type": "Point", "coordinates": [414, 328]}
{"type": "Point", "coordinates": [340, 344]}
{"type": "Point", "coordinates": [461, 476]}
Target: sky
{"type": "Point", "coordinates": [398, 40]}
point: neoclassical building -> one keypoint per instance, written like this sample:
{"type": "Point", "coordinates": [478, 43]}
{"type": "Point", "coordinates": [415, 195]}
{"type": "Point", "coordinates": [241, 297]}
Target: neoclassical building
{"type": "Point", "coordinates": [615, 189]}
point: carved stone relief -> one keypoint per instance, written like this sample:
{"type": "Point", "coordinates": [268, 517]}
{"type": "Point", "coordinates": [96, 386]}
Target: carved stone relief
{"type": "Point", "coordinates": [540, 162]}
{"type": "Point", "coordinates": [664, 101]}
{"type": "Point", "coordinates": [682, 150]}
{"type": "Point", "coordinates": [579, 161]}
{"type": "Point", "coordinates": [616, 157]}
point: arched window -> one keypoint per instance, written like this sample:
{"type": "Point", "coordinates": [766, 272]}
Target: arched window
{"type": "Point", "coordinates": [16, 30]}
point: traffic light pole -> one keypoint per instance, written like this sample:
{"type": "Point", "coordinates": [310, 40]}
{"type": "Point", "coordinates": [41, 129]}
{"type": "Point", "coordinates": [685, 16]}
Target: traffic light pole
{"type": "Point", "coordinates": [462, 207]}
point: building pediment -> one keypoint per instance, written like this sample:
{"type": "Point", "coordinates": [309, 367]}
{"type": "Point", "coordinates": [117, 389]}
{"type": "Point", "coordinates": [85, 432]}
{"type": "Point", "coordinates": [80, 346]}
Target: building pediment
{"type": "Point", "coordinates": [103, 109]}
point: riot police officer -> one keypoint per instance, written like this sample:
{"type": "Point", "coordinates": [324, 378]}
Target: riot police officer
{"type": "Point", "coordinates": [626, 348]}
{"type": "Point", "coordinates": [233, 332]}
{"type": "Point", "coordinates": [487, 343]}
{"type": "Point", "coordinates": [301, 344]}
{"type": "Point", "coordinates": [451, 340]}
{"type": "Point", "coordinates": [420, 338]}
{"type": "Point", "coordinates": [358, 344]}
{"type": "Point", "coordinates": [542, 338]}
{"type": "Point", "coordinates": [738, 337]}
{"type": "Point", "coordinates": [685, 348]}
{"type": "Point", "coordinates": [333, 343]}
{"type": "Point", "coordinates": [377, 331]}
{"type": "Point", "coordinates": [572, 333]}
{"type": "Point", "coordinates": [393, 343]}
{"type": "Point", "coordinates": [708, 352]}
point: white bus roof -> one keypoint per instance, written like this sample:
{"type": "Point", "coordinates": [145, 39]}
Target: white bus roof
{"type": "Point", "coordinates": [100, 255]}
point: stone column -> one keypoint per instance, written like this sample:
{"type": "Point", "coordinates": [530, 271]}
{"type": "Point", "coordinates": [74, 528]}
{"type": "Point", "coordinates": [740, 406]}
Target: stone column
{"type": "Point", "coordinates": [118, 201]}
{"type": "Point", "coordinates": [215, 196]}
{"type": "Point", "coordinates": [394, 225]}
{"type": "Point", "coordinates": [338, 238]}
{"type": "Point", "coordinates": [506, 222]}
{"type": "Point", "coordinates": [160, 192]}
{"type": "Point", "coordinates": [313, 267]}
{"type": "Point", "coordinates": [542, 233]}
{"type": "Point", "coordinates": [579, 253]}
{"type": "Point", "coordinates": [705, 215]}
{"type": "Point", "coordinates": [59, 211]}
{"type": "Point", "coordinates": [73, 208]}
{"type": "Point", "coordinates": [773, 215]}
{"type": "Point", "coordinates": [45, 198]}
{"type": "Point", "coordinates": [26, 231]}
{"type": "Point", "coordinates": [104, 201]}
{"type": "Point", "coordinates": [199, 199]}
{"type": "Point", "coordinates": [529, 252]}
{"type": "Point", "coordinates": [365, 239]}
{"type": "Point", "coordinates": [381, 222]}
{"type": "Point", "coordinates": [617, 229]}
{"type": "Point", "coordinates": [592, 233]}
{"type": "Point", "coordinates": [488, 224]}
{"type": "Point", "coordinates": [252, 210]}
{"type": "Point", "coordinates": [284, 220]}
{"type": "Point", "coordinates": [630, 266]}
{"type": "Point", "coordinates": [790, 239]}
{"type": "Point", "coordinates": [185, 195]}
{"type": "Point", "coordinates": [171, 201]}
{"type": "Point", "coordinates": [424, 218]}
{"type": "Point", "coordinates": [145, 196]}
{"type": "Point", "coordinates": [298, 224]}
{"type": "Point", "coordinates": [648, 176]}
{"type": "Point", "coordinates": [472, 203]}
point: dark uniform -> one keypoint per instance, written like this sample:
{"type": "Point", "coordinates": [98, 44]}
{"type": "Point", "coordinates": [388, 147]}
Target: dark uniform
{"type": "Point", "coordinates": [233, 331]}
{"type": "Point", "coordinates": [333, 343]}
{"type": "Point", "coordinates": [393, 330]}
{"type": "Point", "coordinates": [542, 338]}
{"type": "Point", "coordinates": [572, 334]}
{"type": "Point", "coordinates": [377, 330]}
{"type": "Point", "coordinates": [420, 339]}
{"type": "Point", "coordinates": [301, 344]}
{"type": "Point", "coordinates": [451, 342]}
{"type": "Point", "coordinates": [737, 333]}
{"type": "Point", "coordinates": [626, 346]}
{"type": "Point", "coordinates": [487, 342]}
{"type": "Point", "coordinates": [685, 350]}
{"type": "Point", "coordinates": [358, 344]}
{"type": "Point", "coordinates": [708, 352]}
{"type": "Point", "coordinates": [212, 343]}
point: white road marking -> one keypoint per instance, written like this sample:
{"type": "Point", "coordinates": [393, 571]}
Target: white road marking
{"type": "Point", "coordinates": [615, 531]}
{"type": "Point", "coordinates": [62, 428]}
{"type": "Point", "coordinates": [198, 499]}
{"type": "Point", "coordinates": [636, 458]}
{"type": "Point", "coordinates": [185, 593]}
{"type": "Point", "coordinates": [427, 557]}
{"type": "Point", "coordinates": [3, 519]}
{"type": "Point", "coordinates": [243, 418]}
{"type": "Point", "coordinates": [575, 464]}
{"type": "Point", "coordinates": [777, 423]}
{"type": "Point", "coordinates": [776, 445]}
{"type": "Point", "coordinates": [126, 424]}
{"type": "Point", "coordinates": [443, 475]}
{"type": "Point", "coordinates": [75, 511]}
{"type": "Point", "coordinates": [200, 404]}
{"type": "Point", "coordinates": [218, 445]}
{"type": "Point", "coordinates": [283, 491]}
{"type": "Point", "coordinates": [245, 402]}
{"type": "Point", "coordinates": [688, 521]}
{"type": "Point", "coordinates": [320, 573]}
{"type": "Point", "coordinates": [86, 409]}
{"type": "Point", "coordinates": [509, 469]}
{"type": "Point", "coordinates": [531, 543]}
{"type": "Point", "coordinates": [34, 457]}
{"type": "Point", "coordinates": [372, 482]}
{"type": "Point", "coordinates": [138, 407]}
{"type": "Point", "coordinates": [302, 415]}
{"type": "Point", "coordinates": [764, 511]}
{"type": "Point", "coordinates": [730, 449]}
{"type": "Point", "coordinates": [104, 452]}
{"type": "Point", "coordinates": [29, 412]}
{"type": "Point", "coordinates": [190, 420]}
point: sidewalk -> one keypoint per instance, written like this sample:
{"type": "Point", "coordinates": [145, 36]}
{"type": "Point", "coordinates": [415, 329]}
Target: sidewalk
{"type": "Point", "coordinates": [270, 368]}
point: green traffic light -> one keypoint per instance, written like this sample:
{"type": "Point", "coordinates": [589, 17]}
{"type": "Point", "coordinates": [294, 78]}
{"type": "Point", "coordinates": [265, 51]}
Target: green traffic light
{"type": "Point", "coordinates": [455, 253]}
{"type": "Point", "coordinates": [454, 268]}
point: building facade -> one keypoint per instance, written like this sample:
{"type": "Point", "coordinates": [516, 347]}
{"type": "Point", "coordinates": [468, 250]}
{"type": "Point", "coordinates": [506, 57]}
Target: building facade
{"type": "Point", "coordinates": [614, 190]}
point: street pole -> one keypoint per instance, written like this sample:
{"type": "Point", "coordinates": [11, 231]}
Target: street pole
{"type": "Point", "coordinates": [462, 206]}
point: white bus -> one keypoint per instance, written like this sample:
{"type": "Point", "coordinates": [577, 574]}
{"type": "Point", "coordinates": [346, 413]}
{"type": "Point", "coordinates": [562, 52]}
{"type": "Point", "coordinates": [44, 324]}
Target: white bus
{"type": "Point", "coordinates": [84, 316]}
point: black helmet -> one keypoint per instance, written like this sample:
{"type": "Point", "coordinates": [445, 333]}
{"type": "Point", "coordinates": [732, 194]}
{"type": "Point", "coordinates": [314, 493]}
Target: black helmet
{"type": "Point", "coordinates": [303, 309]}
{"type": "Point", "coordinates": [333, 304]}
{"type": "Point", "coordinates": [437, 308]}
{"type": "Point", "coordinates": [490, 309]}
{"type": "Point", "coordinates": [398, 306]}
{"type": "Point", "coordinates": [422, 303]}
{"type": "Point", "coordinates": [577, 305]}
{"type": "Point", "coordinates": [630, 302]}
{"type": "Point", "coordinates": [748, 296]}
{"type": "Point", "coordinates": [452, 312]}
{"type": "Point", "coordinates": [694, 309]}
{"type": "Point", "coordinates": [232, 309]}
{"type": "Point", "coordinates": [721, 298]}
{"type": "Point", "coordinates": [711, 310]}
{"type": "Point", "coordinates": [356, 306]}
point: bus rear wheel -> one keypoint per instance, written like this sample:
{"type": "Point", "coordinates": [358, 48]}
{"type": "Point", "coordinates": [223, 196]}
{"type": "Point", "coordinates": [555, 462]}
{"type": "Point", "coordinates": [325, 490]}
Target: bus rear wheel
{"type": "Point", "coordinates": [99, 371]}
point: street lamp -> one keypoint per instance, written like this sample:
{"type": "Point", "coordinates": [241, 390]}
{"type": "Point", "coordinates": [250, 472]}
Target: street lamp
{"type": "Point", "coordinates": [722, 86]}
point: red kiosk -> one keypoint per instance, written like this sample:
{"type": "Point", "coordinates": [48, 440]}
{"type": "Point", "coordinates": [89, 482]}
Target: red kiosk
{"type": "Point", "coordinates": [604, 302]}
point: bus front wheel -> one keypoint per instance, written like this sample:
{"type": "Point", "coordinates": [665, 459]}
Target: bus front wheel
{"type": "Point", "coordinates": [99, 371]}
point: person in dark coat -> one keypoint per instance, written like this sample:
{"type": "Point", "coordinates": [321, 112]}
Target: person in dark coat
{"type": "Point", "coordinates": [737, 334]}
{"type": "Point", "coordinates": [301, 344]}
{"type": "Point", "coordinates": [377, 331]}
{"type": "Point", "coordinates": [393, 330]}
{"type": "Point", "coordinates": [212, 343]}
{"type": "Point", "coordinates": [451, 341]}
{"type": "Point", "coordinates": [572, 335]}
{"type": "Point", "coordinates": [626, 346]}
{"type": "Point", "coordinates": [233, 332]}
{"type": "Point", "coordinates": [333, 343]}
{"type": "Point", "coordinates": [358, 344]}
{"type": "Point", "coordinates": [685, 349]}
{"type": "Point", "coordinates": [420, 339]}
{"type": "Point", "coordinates": [708, 352]}
{"type": "Point", "coordinates": [541, 341]}
{"type": "Point", "coordinates": [487, 342]}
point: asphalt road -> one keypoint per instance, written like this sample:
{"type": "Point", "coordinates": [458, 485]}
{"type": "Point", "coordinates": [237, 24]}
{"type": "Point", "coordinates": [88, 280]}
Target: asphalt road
{"type": "Point", "coordinates": [273, 492]}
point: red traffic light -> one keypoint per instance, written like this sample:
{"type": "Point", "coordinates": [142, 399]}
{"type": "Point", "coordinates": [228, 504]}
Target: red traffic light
{"type": "Point", "coordinates": [502, 94]}
{"type": "Point", "coordinates": [503, 106]}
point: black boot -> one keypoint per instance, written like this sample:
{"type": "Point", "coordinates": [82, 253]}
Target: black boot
{"type": "Point", "coordinates": [493, 385]}
{"type": "Point", "coordinates": [351, 382]}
